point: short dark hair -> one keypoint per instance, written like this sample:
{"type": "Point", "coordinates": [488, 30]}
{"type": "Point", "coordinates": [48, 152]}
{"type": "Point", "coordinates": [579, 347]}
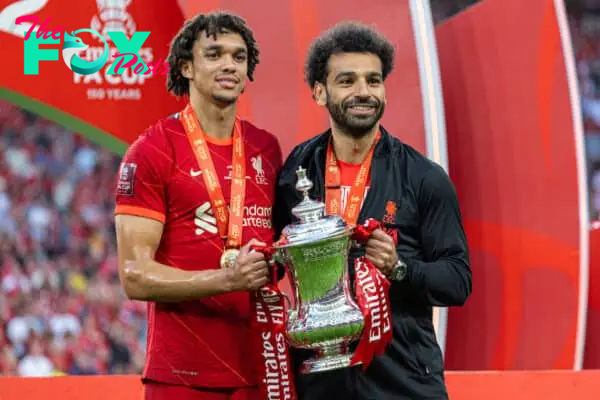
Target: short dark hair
{"type": "Point", "coordinates": [346, 37]}
{"type": "Point", "coordinates": [212, 23]}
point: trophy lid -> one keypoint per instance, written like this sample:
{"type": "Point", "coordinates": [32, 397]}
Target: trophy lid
{"type": "Point", "coordinates": [313, 225]}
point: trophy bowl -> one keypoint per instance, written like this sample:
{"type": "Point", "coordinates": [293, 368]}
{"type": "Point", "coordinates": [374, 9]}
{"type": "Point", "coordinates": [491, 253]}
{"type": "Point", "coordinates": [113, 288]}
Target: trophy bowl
{"type": "Point", "coordinates": [324, 318]}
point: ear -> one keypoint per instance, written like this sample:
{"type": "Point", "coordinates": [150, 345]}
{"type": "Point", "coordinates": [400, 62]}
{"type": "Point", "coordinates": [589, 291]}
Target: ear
{"type": "Point", "coordinates": [186, 69]}
{"type": "Point", "coordinates": [319, 94]}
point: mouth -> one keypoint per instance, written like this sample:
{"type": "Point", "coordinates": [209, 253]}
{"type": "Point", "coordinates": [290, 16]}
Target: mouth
{"type": "Point", "coordinates": [227, 82]}
{"type": "Point", "coordinates": [362, 109]}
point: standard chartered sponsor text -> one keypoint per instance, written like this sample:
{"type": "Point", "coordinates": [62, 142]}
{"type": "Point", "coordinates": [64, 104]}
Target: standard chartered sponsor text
{"type": "Point", "coordinates": [255, 216]}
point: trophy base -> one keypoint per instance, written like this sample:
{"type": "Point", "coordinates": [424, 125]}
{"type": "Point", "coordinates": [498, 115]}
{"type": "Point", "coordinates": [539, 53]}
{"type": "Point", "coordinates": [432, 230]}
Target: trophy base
{"type": "Point", "coordinates": [328, 358]}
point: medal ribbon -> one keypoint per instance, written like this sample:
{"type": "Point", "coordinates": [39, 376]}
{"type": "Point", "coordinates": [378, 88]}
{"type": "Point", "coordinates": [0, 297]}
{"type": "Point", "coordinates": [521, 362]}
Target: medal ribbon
{"type": "Point", "coordinates": [372, 296]}
{"type": "Point", "coordinates": [269, 320]}
{"type": "Point", "coordinates": [230, 223]}
{"type": "Point", "coordinates": [333, 185]}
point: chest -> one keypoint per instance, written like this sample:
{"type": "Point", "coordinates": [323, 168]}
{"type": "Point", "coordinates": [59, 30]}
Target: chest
{"type": "Point", "coordinates": [189, 201]}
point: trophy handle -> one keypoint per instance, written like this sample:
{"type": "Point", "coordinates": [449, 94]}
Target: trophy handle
{"type": "Point", "coordinates": [279, 259]}
{"type": "Point", "coordinates": [274, 258]}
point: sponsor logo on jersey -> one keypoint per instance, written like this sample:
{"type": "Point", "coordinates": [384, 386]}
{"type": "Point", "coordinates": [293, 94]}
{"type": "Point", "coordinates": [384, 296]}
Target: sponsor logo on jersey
{"type": "Point", "coordinates": [204, 219]}
{"type": "Point", "coordinates": [194, 173]}
{"type": "Point", "coordinates": [254, 217]}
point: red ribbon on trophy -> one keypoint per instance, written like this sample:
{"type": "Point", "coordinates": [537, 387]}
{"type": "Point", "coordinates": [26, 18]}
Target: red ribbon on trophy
{"type": "Point", "coordinates": [269, 320]}
{"type": "Point", "coordinates": [371, 288]}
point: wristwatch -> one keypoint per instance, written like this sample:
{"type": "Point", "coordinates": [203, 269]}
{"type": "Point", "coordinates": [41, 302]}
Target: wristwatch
{"type": "Point", "coordinates": [399, 271]}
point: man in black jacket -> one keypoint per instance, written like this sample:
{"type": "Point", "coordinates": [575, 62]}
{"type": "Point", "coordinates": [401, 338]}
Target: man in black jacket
{"type": "Point", "coordinates": [346, 69]}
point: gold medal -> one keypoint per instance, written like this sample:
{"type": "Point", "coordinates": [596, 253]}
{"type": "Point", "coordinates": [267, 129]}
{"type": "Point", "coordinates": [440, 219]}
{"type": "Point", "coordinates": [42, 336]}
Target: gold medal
{"type": "Point", "coordinates": [229, 257]}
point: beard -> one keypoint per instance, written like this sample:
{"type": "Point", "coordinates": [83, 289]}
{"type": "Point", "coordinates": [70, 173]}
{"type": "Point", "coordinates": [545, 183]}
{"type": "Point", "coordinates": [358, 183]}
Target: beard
{"type": "Point", "coordinates": [356, 126]}
{"type": "Point", "coordinates": [227, 98]}
{"type": "Point", "coordinates": [224, 100]}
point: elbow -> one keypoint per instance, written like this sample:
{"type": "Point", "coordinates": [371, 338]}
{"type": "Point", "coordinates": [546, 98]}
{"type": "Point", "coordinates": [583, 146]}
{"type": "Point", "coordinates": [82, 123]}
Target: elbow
{"type": "Point", "coordinates": [464, 290]}
{"type": "Point", "coordinates": [133, 282]}
{"type": "Point", "coordinates": [460, 299]}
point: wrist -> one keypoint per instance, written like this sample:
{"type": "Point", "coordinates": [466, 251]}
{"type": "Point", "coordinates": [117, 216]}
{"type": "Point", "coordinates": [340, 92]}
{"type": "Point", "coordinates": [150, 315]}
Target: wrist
{"type": "Point", "coordinates": [389, 268]}
{"type": "Point", "coordinates": [399, 271]}
{"type": "Point", "coordinates": [227, 276]}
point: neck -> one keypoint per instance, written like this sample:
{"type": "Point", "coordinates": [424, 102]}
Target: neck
{"type": "Point", "coordinates": [350, 149]}
{"type": "Point", "coordinates": [216, 121]}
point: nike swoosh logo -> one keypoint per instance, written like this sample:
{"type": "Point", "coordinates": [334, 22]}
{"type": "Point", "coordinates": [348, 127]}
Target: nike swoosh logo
{"type": "Point", "coordinates": [195, 173]}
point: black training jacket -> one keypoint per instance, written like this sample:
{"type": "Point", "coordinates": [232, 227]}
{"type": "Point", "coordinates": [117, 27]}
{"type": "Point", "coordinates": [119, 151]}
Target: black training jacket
{"type": "Point", "coordinates": [410, 190]}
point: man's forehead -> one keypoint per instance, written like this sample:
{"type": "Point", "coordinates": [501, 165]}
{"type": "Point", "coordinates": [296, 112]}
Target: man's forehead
{"type": "Point", "coordinates": [359, 63]}
{"type": "Point", "coordinates": [224, 39]}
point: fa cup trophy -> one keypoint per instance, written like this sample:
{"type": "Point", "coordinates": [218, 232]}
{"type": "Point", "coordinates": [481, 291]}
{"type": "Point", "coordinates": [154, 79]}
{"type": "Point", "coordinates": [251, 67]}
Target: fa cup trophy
{"type": "Point", "coordinates": [325, 317]}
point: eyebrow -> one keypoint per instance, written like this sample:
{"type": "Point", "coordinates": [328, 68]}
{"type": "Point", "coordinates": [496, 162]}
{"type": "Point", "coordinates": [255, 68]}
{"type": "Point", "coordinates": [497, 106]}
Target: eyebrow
{"type": "Point", "coordinates": [220, 47]}
{"type": "Point", "coordinates": [345, 74]}
{"type": "Point", "coordinates": [348, 74]}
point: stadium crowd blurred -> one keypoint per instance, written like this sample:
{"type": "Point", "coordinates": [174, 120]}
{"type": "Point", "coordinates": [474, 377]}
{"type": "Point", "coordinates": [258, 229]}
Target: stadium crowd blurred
{"type": "Point", "coordinates": [585, 35]}
{"type": "Point", "coordinates": [61, 306]}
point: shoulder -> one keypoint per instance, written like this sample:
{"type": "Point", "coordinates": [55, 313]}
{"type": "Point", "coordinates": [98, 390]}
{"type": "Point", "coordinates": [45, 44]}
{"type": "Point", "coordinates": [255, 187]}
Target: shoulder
{"type": "Point", "coordinates": [305, 154]}
{"type": "Point", "coordinates": [424, 174]}
{"type": "Point", "coordinates": [417, 164]}
{"type": "Point", "coordinates": [156, 141]}
{"type": "Point", "coordinates": [258, 136]}
{"type": "Point", "coordinates": [310, 145]}
{"type": "Point", "coordinates": [263, 144]}
{"type": "Point", "coordinates": [305, 151]}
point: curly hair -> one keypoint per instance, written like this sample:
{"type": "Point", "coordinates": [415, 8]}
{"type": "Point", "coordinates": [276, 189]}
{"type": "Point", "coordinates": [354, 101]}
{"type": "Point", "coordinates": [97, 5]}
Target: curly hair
{"type": "Point", "coordinates": [346, 37]}
{"type": "Point", "coordinates": [212, 23]}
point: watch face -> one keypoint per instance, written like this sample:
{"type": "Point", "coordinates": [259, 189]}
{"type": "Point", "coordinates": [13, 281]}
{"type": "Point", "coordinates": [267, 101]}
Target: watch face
{"type": "Point", "coordinates": [399, 272]}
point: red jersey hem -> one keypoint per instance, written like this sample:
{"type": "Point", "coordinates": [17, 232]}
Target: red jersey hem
{"type": "Point", "coordinates": [212, 381]}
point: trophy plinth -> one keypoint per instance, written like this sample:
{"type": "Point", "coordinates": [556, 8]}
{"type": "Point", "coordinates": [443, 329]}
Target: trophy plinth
{"type": "Point", "coordinates": [325, 317]}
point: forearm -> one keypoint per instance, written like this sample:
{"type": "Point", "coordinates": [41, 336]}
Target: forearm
{"type": "Point", "coordinates": [152, 281]}
{"type": "Point", "coordinates": [443, 275]}
{"type": "Point", "coordinates": [442, 283]}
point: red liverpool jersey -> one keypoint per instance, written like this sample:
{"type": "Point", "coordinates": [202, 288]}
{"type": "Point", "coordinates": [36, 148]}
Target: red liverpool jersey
{"type": "Point", "coordinates": [204, 342]}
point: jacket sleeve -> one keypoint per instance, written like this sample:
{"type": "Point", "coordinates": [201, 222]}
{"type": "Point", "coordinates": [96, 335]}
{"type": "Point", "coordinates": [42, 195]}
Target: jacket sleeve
{"type": "Point", "coordinates": [444, 277]}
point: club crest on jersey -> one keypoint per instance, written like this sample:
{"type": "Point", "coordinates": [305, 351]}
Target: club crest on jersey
{"type": "Point", "coordinates": [258, 168]}
{"type": "Point", "coordinates": [390, 212]}
{"type": "Point", "coordinates": [126, 179]}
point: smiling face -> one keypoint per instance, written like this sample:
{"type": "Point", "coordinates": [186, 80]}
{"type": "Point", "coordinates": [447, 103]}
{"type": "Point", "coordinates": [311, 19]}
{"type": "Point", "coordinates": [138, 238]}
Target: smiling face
{"type": "Point", "coordinates": [354, 92]}
{"type": "Point", "coordinates": [219, 68]}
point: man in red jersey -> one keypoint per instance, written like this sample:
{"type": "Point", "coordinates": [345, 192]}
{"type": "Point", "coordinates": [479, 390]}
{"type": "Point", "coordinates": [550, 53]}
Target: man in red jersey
{"type": "Point", "coordinates": [195, 191]}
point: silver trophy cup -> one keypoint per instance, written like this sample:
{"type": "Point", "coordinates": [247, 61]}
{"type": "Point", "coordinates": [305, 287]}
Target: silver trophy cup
{"type": "Point", "coordinates": [325, 318]}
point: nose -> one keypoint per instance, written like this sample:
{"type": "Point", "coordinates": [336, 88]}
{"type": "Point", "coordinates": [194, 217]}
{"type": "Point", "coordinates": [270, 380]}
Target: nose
{"type": "Point", "coordinates": [362, 88]}
{"type": "Point", "coordinates": [228, 63]}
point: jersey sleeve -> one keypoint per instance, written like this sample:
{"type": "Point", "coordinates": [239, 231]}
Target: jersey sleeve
{"type": "Point", "coordinates": [143, 174]}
